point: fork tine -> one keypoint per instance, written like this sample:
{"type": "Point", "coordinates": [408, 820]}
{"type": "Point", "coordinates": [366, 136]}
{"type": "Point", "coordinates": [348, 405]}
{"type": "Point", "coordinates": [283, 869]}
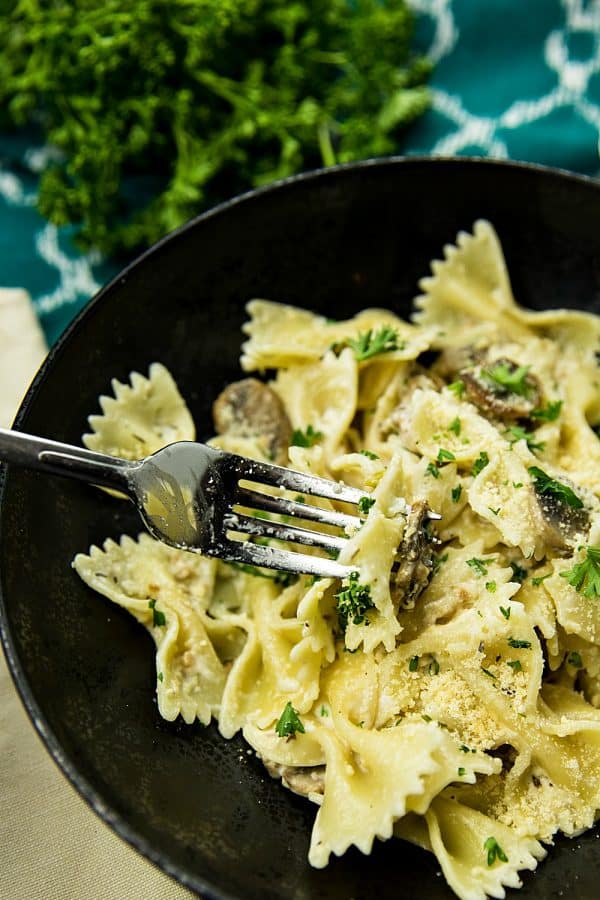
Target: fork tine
{"type": "Point", "coordinates": [278, 476]}
{"type": "Point", "coordinates": [281, 532]}
{"type": "Point", "coordinates": [282, 560]}
{"type": "Point", "coordinates": [256, 500]}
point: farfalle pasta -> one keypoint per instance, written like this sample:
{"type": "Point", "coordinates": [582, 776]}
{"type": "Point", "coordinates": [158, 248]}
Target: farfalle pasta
{"type": "Point", "coordinates": [448, 692]}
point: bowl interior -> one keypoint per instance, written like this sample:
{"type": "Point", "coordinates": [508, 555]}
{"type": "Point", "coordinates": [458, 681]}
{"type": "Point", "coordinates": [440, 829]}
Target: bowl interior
{"type": "Point", "coordinates": [334, 242]}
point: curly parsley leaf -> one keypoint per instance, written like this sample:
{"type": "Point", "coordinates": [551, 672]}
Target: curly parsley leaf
{"type": "Point", "coordinates": [544, 484]}
{"type": "Point", "coordinates": [372, 343]}
{"type": "Point", "coordinates": [365, 504]}
{"type": "Point", "coordinates": [585, 575]}
{"type": "Point", "coordinates": [306, 438]}
{"type": "Point", "coordinates": [479, 566]}
{"type": "Point", "coordinates": [353, 602]}
{"type": "Point", "coordinates": [509, 378]}
{"type": "Point", "coordinates": [289, 722]}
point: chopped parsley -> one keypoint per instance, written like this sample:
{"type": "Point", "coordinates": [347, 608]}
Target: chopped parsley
{"type": "Point", "coordinates": [457, 388]}
{"type": "Point", "coordinates": [494, 851]}
{"type": "Point", "coordinates": [488, 673]}
{"type": "Point", "coordinates": [516, 433]}
{"type": "Point", "coordinates": [158, 617]}
{"type": "Point", "coordinates": [490, 586]}
{"type": "Point", "coordinates": [413, 664]}
{"type": "Point", "coordinates": [353, 602]}
{"type": "Point", "coordinates": [161, 677]}
{"type": "Point", "coordinates": [456, 492]}
{"type": "Point", "coordinates": [509, 378]}
{"type": "Point", "coordinates": [505, 610]}
{"type": "Point", "coordinates": [372, 343]}
{"type": "Point", "coordinates": [575, 660]}
{"type": "Point", "coordinates": [433, 470]}
{"type": "Point", "coordinates": [539, 578]}
{"type": "Point", "coordinates": [365, 504]}
{"type": "Point", "coordinates": [515, 665]}
{"type": "Point", "coordinates": [480, 463]}
{"type": "Point", "coordinates": [585, 576]}
{"type": "Point", "coordinates": [438, 561]}
{"type": "Point", "coordinates": [548, 413]}
{"type": "Point", "coordinates": [444, 456]}
{"type": "Point", "coordinates": [289, 722]}
{"type": "Point", "coordinates": [479, 566]}
{"type": "Point", "coordinates": [306, 438]}
{"type": "Point", "coordinates": [517, 644]}
{"type": "Point", "coordinates": [461, 771]}
{"type": "Point", "coordinates": [455, 426]}
{"type": "Point", "coordinates": [545, 485]}
{"type": "Point", "coordinates": [495, 511]}
{"type": "Point", "coordinates": [369, 455]}
{"type": "Point", "coordinates": [519, 573]}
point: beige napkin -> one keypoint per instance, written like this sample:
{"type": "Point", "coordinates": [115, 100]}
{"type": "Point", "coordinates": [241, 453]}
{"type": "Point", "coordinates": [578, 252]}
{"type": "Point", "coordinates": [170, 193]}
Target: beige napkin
{"type": "Point", "coordinates": [53, 846]}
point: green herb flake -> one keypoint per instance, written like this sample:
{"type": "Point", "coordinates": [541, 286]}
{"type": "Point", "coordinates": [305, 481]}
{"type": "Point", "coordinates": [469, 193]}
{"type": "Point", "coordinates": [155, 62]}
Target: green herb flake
{"type": "Point", "coordinates": [426, 718]}
{"type": "Point", "coordinates": [433, 470]}
{"type": "Point", "coordinates": [158, 617]}
{"type": "Point", "coordinates": [455, 426]}
{"type": "Point", "coordinates": [438, 562]}
{"type": "Point", "coordinates": [515, 665]}
{"type": "Point", "coordinates": [461, 771]}
{"type": "Point", "coordinates": [488, 673]}
{"type": "Point", "coordinates": [289, 722]}
{"type": "Point", "coordinates": [518, 572]}
{"type": "Point", "coordinates": [456, 492]}
{"type": "Point", "coordinates": [161, 677]}
{"type": "Point", "coordinates": [479, 566]}
{"type": "Point", "coordinates": [548, 413]}
{"type": "Point", "coordinates": [324, 711]}
{"type": "Point", "coordinates": [306, 438]}
{"type": "Point", "coordinates": [369, 455]}
{"type": "Point", "coordinates": [509, 378]}
{"type": "Point", "coordinates": [490, 586]}
{"type": "Point", "coordinates": [539, 578]}
{"type": "Point", "coordinates": [413, 664]}
{"type": "Point", "coordinates": [495, 511]}
{"type": "Point", "coordinates": [353, 602]}
{"type": "Point", "coordinates": [494, 851]}
{"type": "Point", "coordinates": [505, 610]}
{"type": "Point", "coordinates": [457, 388]}
{"type": "Point", "coordinates": [575, 660]}
{"type": "Point", "coordinates": [444, 456]}
{"type": "Point", "coordinates": [544, 484]}
{"type": "Point", "coordinates": [516, 433]}
{"type": "Point", "coordinates": [365, 504]}
{"type": "Point", "coordinates": [517, 644]}
{"type": "Point", "coordinates": [372, 343]}
{"type": "Point", "coordinates": [480, 463]}
{"type": "Point", "coordinates": [585, 575]}
{"type": "Point", "coordinates": [517, 484]}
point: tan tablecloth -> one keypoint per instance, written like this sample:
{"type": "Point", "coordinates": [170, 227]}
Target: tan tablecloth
{"type": "Point", "coordinates": [52, 846]}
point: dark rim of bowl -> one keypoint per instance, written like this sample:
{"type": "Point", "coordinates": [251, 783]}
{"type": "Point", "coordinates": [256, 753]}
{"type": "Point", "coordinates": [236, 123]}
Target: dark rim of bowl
{"type": "Point", "coordinates": [93, 798]}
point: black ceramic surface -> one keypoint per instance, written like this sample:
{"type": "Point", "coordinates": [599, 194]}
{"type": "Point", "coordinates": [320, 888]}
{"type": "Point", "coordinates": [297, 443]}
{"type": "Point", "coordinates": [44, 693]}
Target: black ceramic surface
{"type": "Point", "coordinates": [335, 242]}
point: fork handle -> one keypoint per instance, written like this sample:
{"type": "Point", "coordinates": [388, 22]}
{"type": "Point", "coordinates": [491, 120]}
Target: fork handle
{"type": "Point", "coordinates": [64, 459]}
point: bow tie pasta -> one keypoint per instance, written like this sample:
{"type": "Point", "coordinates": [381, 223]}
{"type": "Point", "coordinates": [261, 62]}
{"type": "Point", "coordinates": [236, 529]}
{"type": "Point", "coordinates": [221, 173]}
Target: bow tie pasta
{"type": "Point", "coordinates": [448, 692]}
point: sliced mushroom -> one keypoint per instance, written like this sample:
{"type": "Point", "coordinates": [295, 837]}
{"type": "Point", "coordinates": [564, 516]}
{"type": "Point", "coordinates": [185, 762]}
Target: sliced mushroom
{"type": "Point", "coordinates": [415, 557]}
{"type": "Point", "coordinates": [496, 400]}
{"type": "Point", "coordinates": [303, 780]}
{"type": "Point", "coordinates": [250, 409]}
{"type": "Point", "coordinates": [563, 524]}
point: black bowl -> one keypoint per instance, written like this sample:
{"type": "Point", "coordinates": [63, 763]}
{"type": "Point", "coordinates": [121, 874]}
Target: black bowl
{"type": "Point", "coordinates": [336, 242]}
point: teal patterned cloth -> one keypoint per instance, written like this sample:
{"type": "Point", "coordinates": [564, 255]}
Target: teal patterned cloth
{"type": "Point", "coordinates": [512, 79]}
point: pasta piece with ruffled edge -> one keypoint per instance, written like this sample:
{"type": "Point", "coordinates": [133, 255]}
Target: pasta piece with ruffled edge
{"type": "Point", "coordinates": [141, 576]}
{"type": "Point", "coordinates": [458, 835]}
{"type": "Point", "coordinates": [576, 613]}
{"type": "Point", "coordinates": [282, 658]}
{"type": "Point", "coordinates": [371, 552]}
{"type": "Point", "coordinates": [321, 394]}
{"type": "Point", "coordinates": [142, 416]}
{"type": "Point", "coordinates": [373, 777]}
{"type": "Point", "coordinates": [469, 294]}
{"type": "Point", "coordinates": [281, 335]}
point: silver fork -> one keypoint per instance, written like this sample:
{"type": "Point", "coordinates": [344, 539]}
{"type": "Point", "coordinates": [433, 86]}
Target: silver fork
{"type": "Point", "coordinates": [195, 497]}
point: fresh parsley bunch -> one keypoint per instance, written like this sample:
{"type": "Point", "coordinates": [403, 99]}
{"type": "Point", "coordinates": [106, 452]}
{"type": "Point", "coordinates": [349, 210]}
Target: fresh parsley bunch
{"type": "Point", "coordinates": [184, 102]}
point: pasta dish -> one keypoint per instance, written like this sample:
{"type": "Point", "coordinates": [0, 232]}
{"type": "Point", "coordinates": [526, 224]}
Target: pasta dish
{"type": "Point", "coordinates": [448, 692]}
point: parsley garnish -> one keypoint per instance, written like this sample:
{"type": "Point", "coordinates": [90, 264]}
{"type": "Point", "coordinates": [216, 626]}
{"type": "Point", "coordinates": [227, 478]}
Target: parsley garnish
{"type": "Point", "coordinates": [353, 602]}
{"type": "Point", "coordinates": [479, 566]}
{"type": "Point", "coordinates": [413, 664]}
{"type": "Point", "coordinates": [444, 456]}
{"type": "Point", "coordinates": [494, 851]}
{"type": "Point", "coordinates": [461, 771]}
{"type": "Point", "coordinates": [306, 438]}
{"type": "Point", "coordinates": [457, 388]}
{"type": "Point", "coordinates": [548, 413]}
{"type": "Point", "coordinates": [488, 673]}
{"type": "Point", "coordinates": [494, 511]}
{"type": "Point", "coordinates": [539, 578]}
{"type": "Point", "coordinates": [324, 711]}
{"type": "Point", "coordinates": [432, 469]}
{"type": "Point", "coordinates": [369, 455]}
{"type": "Point", "coordinates": [480, 463]}
{"type": "Point", "coordinates": [161, 676]}
{"type": "Point", "coordinates": [517, 644]}
{"type": "Point", "coordinates": [158, 617]}
{"type": "Point", "coordinates": [505, 610]}
{"type": "Point", "coordinates": [546, 485]}
{"type": "Point", "coordinates": [455, 426]}
{"type": "Point", "coordinates": [456, 492]}
{"type": "Point", "coordinates": [575, 660]}
{"type": "Point", "coordinates": [519, 573]}
{"type": "Point", "coordinates": [438, 561]}
{"type": "Point", "coordinates": [516, 433]}
{"type": "Point", "coordinates": [289, 722]}
{"type": "Point", "coordinates": [490, 586]}
{"type": "Point", "coordinates": [585, 576]}
{"type": "Point", "coordinates": [372, 343]}
{"type": "Point", "coordinates": [365, 504]}
{"type": "Point", "coordinates": [509, 378]}
{"type": "Point", "coordinates": [515, 665]}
